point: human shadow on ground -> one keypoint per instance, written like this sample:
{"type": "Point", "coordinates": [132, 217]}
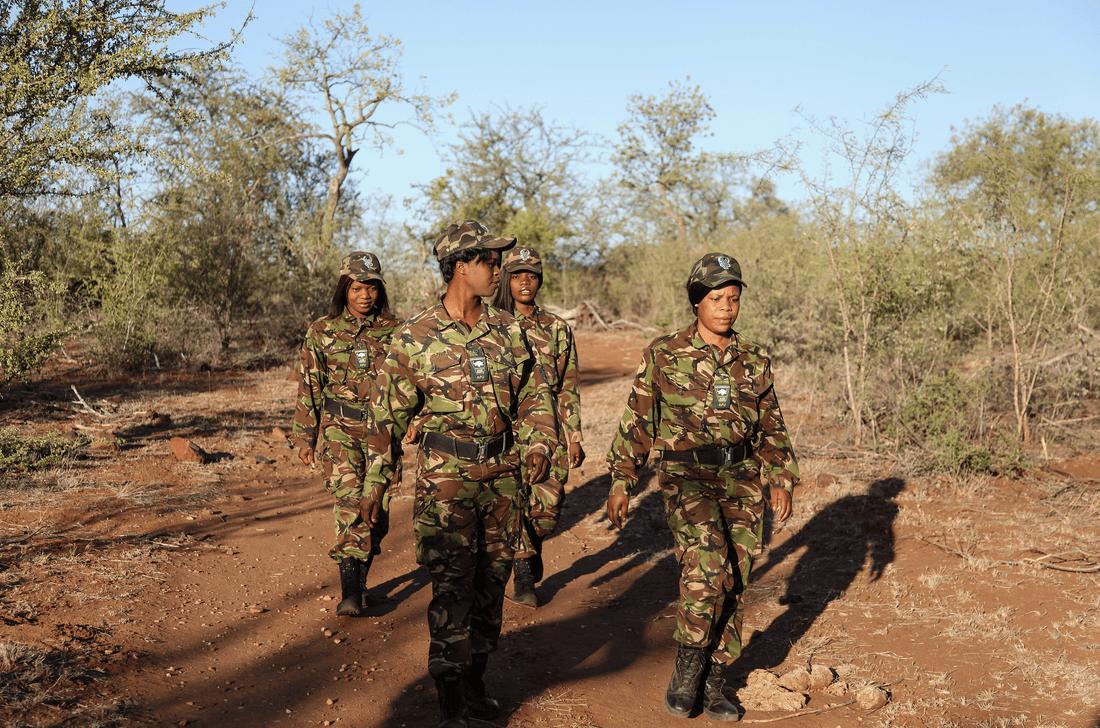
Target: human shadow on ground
{"type": "Point", "coordinates": [839, 541]}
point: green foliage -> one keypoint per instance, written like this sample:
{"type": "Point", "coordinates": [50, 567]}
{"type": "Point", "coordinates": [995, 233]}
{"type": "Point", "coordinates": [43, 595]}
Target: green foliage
{"type": "Point", "coordinates": [863, 224]}
{"type": "Point", "coordinates": [133, 320]}
{"type": "Point", "coordinates": [944, 414]}
{"type": "Point", "coordinates": [19, 452]}
{"type": "Point", "coordinates": [55, 55]}
{"type": "Point", "coordinates": [521, 175]}
{"type": "Point", "coordinates": [1021, 190]}
{"type": "Point", "coordinates": [26, 340]}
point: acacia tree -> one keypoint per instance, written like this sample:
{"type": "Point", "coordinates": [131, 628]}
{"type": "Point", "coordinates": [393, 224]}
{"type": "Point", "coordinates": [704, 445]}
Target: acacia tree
{"type": "Point", "coordinates": [355, 78]}
{"type": "Point", "coordinates": [1023, 189]}
{"type": "Point", "coordinates": [656, 149]}
{"type": "Point", "coordinates": [676, 199]}
{"type": "Point", "coordinates": [55, 55]}
{"type": "Point", "coordinates": [522, 175]}
{"type": "Point", "coordinates": [234, 221]}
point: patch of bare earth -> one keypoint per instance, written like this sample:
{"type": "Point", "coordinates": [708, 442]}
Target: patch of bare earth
{"type": "Point", "coordinates": [138, 589]}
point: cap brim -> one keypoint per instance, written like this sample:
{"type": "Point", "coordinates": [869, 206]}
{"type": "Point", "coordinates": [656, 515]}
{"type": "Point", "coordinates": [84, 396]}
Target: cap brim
{"type": "Point", "coordinates": [497, 244]}
{"type": "Point", "coordinates": [513, 267]}
{"type": "Point", "coordinates": [368, 277]}
{"type": "Point", "coordinates": [723, 279]}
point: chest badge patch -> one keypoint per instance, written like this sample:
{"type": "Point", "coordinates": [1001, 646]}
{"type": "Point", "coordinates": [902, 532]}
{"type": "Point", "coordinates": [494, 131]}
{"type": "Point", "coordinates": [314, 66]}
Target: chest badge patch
{"type": "Point", "coordinates": [479, 365]}
{"type": "Point", "coordinates": [362, 358]}
{"type": "Point", "coordinates": [723, 391]}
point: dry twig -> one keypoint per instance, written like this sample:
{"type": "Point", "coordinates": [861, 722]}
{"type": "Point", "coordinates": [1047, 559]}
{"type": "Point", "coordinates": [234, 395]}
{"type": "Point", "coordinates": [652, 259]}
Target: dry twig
{"type": "Point", "coordinates": [1091, 568]}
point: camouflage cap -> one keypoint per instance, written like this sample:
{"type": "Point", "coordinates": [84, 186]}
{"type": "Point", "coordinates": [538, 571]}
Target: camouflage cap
{"type": "Point", "coordinates": [362, 267]}
{"type": "Point", "coordinates": [468, 234]}
{"type": "Point", "coordinates": [715, 269]}
{"type": "Point", "coordinates": [523, 259]}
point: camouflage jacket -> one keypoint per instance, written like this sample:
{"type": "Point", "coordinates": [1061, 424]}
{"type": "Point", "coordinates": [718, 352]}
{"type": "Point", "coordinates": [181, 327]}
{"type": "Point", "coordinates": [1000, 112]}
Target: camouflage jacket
{"type": "Point", "coordinates": [556, 354]}
{"type": "Point", "coordinates": [426, 383]}
{"type": "Point", "coordinates": [331, 368]}
{"type": "Point", "coordinates": [672, 407]}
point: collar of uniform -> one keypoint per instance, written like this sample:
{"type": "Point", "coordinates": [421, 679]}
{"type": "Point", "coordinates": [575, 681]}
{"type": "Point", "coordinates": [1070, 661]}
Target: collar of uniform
{"type": "Point", "coordinates": [352, 319]}
{"type": "Point", "coordinates": [533, 317]}
{"type": "Point", "coordinates": [691, 333]}
{"type": "Point", "coordinates": [445, 320]}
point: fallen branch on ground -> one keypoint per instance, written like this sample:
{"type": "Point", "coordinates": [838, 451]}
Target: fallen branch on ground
{"type": "Point", "coordinates": [1091, 568]}
{"type": "Point", "coordinates": [86, 406]}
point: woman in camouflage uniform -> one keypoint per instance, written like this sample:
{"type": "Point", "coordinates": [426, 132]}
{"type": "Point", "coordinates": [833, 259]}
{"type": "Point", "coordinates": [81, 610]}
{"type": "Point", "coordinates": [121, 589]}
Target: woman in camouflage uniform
{"type": "Point", "coordinates": [704, 400]}
{"type": "Point", "coordinates": [556, 354]}
{"type": "Point", "coordinates": [340, 356]}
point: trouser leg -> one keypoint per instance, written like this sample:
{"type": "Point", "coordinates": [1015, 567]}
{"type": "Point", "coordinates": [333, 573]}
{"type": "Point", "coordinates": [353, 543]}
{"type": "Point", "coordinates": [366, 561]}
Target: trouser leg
{"type": "Point", "coordinates": [342, 466]}
{"type": "Point", "coordinates": [465, 536]}
{"type": "Point", "coordinates": [714, 537]}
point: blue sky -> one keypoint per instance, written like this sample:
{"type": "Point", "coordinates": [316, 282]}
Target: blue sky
{"type": "Point", "coordinates": [757, 61]}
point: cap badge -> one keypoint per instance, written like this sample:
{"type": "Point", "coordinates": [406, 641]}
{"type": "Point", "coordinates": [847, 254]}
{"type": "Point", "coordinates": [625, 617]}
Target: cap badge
{"type": "Point", "coordinates": [368, 261]}
{"type": "Point", "coordinates": [724, 261]}
{"type": "Point", "coordinates": [524, 254]}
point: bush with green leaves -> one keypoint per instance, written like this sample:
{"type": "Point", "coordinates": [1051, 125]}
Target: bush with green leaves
{"type": "Point", "coordinates": [34, 452]}
{"type": "Point", "coordinates": [944, 417]}
{"type": "Point", "coordinates": [26, 339]}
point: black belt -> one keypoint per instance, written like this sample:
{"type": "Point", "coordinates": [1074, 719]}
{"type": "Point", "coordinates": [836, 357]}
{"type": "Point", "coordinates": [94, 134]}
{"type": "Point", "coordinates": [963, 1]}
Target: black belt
{"type": "Point", "coordinates": [338, 408]}
{"type": "Point", "coordinates": [477, 451]}
{"type": "Point", "coordinates": [710, 455]}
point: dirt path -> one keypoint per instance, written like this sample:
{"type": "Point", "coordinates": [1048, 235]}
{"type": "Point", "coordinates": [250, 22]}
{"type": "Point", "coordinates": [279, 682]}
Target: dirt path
{"type": "Point", "coordinates": [202, 595]}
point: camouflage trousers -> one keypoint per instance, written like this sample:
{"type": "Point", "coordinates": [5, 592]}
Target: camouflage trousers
{"type": "Point", "coordinates": [467, 527]}
{"type": "Point", "coordinates": [716, 523]}
{"type": "Point", "coordinates": [544, 506]}
{"type": "Point", "coordinates": [342, 465]}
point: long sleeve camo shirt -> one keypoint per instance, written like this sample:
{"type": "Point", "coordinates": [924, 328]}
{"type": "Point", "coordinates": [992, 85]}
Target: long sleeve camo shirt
{"type": "Point", "coordinates": [673, 407]}
{"type": "Point", "coordinates": [426, 383]}
{"type": "Point", "coordinates": [556, 352]}
{"type": "Point", "coordinates": [339, 360]}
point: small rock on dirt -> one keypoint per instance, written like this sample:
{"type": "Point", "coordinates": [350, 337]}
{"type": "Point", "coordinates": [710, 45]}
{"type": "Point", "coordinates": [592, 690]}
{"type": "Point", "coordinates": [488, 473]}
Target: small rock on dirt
{"type": "Point", "coordinates": [188, 451]}
{"type": "Point", "coordinates": [763, 692]}
{"type": "Point", "coordinates": [824, 480]}
{"type": "Point", "coordinates": [278, 433]}
{"type": "Point", "coordinates": [821, 677]}
{"type": "Point", "coordinates": [871, 698]}
{"type": "Point", "coordinates": [105, 441]}
{"type": "Point", "coordinates": [796, 680]}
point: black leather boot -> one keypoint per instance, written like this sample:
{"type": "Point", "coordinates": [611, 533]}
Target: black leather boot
{"type": "Point", "coordinates": [683, 688]}
{"type": "Point", "coordinates": [364, 570]}
{"type": "Point", "coordinates": [452, 701]}
{"type": "Point", "coordinates": [482, 705]}
{"type": "Point", "coordinates": [536, 560]}
{"type": "Point", "coordinates": [351, 589]}
{"type": "Point", "coordinates": [719, 702]}
{"type": "Point", "coordinates": [523, 584]}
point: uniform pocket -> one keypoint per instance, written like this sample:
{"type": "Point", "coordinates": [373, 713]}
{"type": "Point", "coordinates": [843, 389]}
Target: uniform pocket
{"type": "Point", "coordinates": [339, 361]}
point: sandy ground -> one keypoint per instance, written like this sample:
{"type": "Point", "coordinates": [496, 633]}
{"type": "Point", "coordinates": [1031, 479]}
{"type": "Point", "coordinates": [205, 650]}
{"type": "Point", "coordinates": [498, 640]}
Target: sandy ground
{"type": "Point", "coordinates": [136, 589]}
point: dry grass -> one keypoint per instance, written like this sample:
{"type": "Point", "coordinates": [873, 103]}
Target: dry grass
{"type": "Point", "coordinates": [35, 684]}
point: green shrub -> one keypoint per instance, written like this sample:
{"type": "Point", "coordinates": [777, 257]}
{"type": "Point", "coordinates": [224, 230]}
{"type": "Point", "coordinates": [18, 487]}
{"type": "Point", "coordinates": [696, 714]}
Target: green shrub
{"type": "Point", "coordinates": [19, 452]}
{"type": "Point", "coordinates": [25, 339]}
{"type": "Point", "coordinates": [943, 416]}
